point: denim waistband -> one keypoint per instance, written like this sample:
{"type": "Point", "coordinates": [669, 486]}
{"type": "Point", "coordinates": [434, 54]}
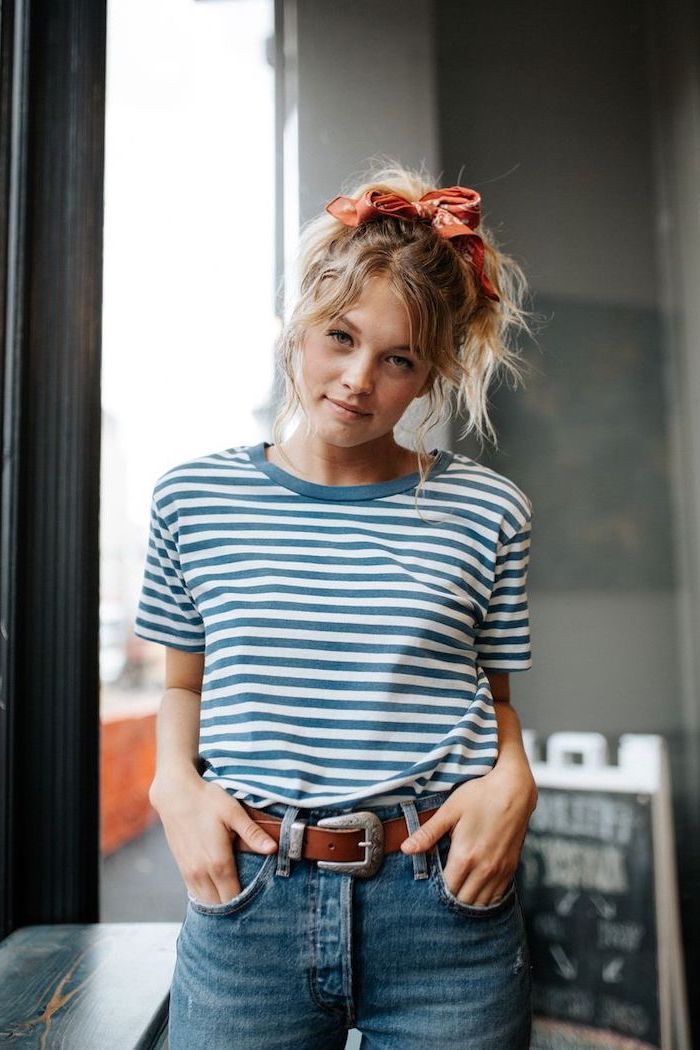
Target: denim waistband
{"type": "Point", "coordinates": [386, 812]}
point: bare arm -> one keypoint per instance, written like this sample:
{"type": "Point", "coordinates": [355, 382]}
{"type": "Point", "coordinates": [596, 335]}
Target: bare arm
{"type": "Point", "coordinates": [177, 723]}
{"type": "Point", "coordinates": [511, 750]}
{"type": "Point", "coordinates": [199, 818]}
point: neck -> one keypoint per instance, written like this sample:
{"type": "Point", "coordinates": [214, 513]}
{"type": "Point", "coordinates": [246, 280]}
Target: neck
{"type": "Point", "coordinates": [324, 464]}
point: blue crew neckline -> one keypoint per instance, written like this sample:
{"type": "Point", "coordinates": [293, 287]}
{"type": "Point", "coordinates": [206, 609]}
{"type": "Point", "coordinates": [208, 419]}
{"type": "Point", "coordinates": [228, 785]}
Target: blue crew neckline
{"type": "Point", "coordinates": [442, 459]}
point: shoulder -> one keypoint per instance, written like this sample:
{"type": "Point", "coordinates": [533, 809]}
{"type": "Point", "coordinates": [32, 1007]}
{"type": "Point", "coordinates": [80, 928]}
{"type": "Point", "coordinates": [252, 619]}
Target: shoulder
{"type": "Point", "coordinates": [496, 493]}
{"type": "Point", "coordinates": [198, 477]}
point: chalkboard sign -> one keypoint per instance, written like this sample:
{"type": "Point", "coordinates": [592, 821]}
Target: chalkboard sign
{"type": "Point", "coordinates": [597, 885]}
{"type": "Point", "coordinates": [587, 886]}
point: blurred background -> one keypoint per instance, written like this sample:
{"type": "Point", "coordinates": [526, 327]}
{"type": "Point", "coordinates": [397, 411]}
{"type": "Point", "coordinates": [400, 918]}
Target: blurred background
{"type": "Point", "coordinates": [231, 122]}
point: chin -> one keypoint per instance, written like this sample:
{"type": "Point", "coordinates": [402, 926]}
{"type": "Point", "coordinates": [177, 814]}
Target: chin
{"type": "Point", "coordinates": [336, 435]}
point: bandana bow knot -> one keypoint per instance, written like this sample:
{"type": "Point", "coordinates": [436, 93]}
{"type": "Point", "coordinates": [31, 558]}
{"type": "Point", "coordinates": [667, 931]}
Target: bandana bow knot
{"type": "Point", "coordinates": [453, 212]}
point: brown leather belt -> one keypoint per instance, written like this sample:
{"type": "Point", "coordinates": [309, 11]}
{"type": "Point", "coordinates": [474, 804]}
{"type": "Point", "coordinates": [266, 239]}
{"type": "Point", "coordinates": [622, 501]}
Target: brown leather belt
{"type": "Point", "coordinates": [337, 842]}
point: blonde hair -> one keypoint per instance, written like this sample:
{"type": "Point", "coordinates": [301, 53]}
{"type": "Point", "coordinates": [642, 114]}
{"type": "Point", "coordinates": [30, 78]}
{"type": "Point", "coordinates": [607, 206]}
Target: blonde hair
{"type": "Point", "coordinates": [465, 337]}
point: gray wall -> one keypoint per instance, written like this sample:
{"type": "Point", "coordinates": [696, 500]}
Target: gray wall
{"type": "Point", "coordinates": [366, 92]}
{"type": "Point", "coordinates": [550, 118]}
{"type": "Point", "coordinates": [366, 87]}
{"type": "Point", "coordinates": [583, 133]}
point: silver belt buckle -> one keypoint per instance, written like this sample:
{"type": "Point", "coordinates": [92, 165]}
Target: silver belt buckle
{"type": "Point", "coordinates": [373, 843]}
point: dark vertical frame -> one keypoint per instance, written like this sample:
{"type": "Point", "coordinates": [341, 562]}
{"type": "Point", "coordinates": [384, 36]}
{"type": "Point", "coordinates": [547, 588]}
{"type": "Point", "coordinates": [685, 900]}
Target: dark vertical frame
{"type": "Point", "coordinates": [52, 105]}
{"type": "Point", "coordinates": [673, 31]}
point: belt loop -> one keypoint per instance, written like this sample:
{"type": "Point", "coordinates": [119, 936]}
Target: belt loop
{"type": "Point", "coordinates": [420, 860]}
{"type": "Point", "coordinates": [288, 819]}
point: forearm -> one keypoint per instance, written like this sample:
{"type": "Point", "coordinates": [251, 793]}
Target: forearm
{"type": "Point", "coordinates": [512, 758]}
{"type": "Point", "coordinates": [510, 739]}
{"type": "Point", "coordinates": [177, 739]}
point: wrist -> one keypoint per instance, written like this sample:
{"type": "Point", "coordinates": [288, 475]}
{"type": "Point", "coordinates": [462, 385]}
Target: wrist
{"type": "Point", "coordinates": [513, 757]}
{"type": "Point", "coordinates": [515, 767]}
{"type": "Point", "coordinates": [168, 782]}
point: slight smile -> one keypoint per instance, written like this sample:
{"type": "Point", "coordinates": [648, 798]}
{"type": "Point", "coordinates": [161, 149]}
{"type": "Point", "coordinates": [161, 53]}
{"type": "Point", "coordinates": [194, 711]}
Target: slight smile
{"type": "Point", "coordinates": [346, 410]}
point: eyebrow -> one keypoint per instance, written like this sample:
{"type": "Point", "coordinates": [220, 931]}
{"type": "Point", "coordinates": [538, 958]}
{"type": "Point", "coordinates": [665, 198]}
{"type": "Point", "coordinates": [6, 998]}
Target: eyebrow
{"type": "Point", "coordinates": [354, 327]}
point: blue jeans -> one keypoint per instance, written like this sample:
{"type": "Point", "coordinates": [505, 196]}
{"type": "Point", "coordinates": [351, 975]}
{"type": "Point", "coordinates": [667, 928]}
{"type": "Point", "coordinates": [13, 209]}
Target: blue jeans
{"type": "Point", "coordinates": [302, 955]}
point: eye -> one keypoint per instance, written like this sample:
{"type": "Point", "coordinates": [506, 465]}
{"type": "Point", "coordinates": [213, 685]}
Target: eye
{"type": "Point", "coordinates": [337, 331]}
{"type": "Point", "coordinates": [407, 364]}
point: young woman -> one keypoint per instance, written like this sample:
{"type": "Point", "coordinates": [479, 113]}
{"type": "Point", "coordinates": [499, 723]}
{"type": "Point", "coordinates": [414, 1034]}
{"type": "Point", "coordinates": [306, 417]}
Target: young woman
{"type": "Point", "coordinates": [340, 774]}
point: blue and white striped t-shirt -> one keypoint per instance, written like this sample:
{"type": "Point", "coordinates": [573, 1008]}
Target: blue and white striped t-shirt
{"type": "Point", "coordinates": [344, 634]}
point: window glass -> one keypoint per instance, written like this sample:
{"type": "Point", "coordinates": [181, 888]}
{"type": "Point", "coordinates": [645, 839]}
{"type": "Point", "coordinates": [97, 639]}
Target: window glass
{"type": "Point", "coordinates": [188, 333]}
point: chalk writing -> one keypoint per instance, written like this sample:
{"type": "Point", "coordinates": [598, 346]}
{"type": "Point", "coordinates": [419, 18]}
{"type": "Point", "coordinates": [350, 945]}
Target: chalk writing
{"type": "Point", "coordinates": [574, 1003]}
{"type": "Point", "coordinates": [585, 816]}
{"type": "Point", "coordinates": [581, 865]}
{"type": "Point", "coordinates": [626, 1017]}
{"type": "Point", "coordinates": [624, 936]}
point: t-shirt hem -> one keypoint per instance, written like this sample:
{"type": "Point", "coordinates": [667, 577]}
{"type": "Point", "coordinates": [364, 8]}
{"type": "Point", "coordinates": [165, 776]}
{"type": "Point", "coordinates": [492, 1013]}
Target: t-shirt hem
{"type": "Point", "coordinates": [172, 643]}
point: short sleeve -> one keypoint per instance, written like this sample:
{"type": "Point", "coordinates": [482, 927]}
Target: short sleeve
{"type": "Point", "coordinates": [166, 610]}
{"type": "Point", "coordinates": [503, 638]}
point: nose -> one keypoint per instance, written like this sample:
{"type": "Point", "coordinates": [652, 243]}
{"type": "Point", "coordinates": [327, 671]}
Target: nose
{"type": "Point", "coordinates": [358, 374]}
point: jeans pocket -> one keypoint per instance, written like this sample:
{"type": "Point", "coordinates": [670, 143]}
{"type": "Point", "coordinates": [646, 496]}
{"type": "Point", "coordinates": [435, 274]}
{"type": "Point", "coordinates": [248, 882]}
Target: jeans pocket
{"type": "Point", "coordinates": [438, 859]}
{"type": "Point", "coordinates": [254, 872]}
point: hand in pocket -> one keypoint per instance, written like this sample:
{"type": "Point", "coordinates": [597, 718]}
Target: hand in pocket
{"type": "Point", "coordinates": [201, 822]}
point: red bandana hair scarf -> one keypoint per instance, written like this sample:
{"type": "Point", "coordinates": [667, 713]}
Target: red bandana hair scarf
{"type": "Point", "coordinates": [454, 212]}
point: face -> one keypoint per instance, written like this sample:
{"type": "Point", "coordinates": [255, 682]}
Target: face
{"type": "Point", "coordinates": [363, 361]}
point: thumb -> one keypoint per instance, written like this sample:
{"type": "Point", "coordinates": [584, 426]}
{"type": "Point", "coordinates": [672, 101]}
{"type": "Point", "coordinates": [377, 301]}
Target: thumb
{"type": "Point", "coordinates": [251, 832]}
{"type": "Point", "coordinates": [427, 834]}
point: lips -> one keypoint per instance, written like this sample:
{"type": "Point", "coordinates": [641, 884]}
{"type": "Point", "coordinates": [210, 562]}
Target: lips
{"type": "Point", "coordinates": [348, 408]}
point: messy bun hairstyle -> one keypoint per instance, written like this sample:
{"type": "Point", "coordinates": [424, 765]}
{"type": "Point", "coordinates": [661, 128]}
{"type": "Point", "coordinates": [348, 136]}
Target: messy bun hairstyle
{"type": "Point", "coordinates": [466, 337]}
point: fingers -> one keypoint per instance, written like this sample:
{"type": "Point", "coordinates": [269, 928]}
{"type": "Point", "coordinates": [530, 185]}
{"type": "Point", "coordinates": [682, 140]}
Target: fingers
{"type": "Point", "coordinates": [214, 891]}
{"type": "Point", "coordinates": [420, 841]}
{"type": "Point", "coordinates": [217, 881]}
{"type": "Point", "coordinates": [488, 894]}
{"type": "Point", "coordinates": [202, 834]}
{"type": "Point", "coordinates": [251, 833]}
{"type": "Point", "coordinates": [471, 882]}
{"type": "Point", "coordinates": [239, 821]}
